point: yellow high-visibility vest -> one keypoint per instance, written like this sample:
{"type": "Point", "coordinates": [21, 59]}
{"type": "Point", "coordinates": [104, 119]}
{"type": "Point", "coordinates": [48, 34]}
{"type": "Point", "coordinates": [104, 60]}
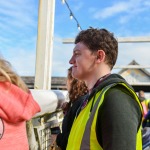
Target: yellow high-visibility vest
{"type": "Point", "coordinates": [83, 134]}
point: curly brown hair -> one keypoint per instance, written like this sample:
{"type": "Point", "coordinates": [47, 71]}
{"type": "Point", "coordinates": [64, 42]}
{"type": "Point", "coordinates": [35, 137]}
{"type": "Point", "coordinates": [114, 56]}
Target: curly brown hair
{"type": "Point", "coordinates": [76, 89]}
{"type": "Point", "coordinates": [100, 39]}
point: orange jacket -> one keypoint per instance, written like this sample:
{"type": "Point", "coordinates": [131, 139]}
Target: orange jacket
{"type": "Point", "coordinates": [16, 107]}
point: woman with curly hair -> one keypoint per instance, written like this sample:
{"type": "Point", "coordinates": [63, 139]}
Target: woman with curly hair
{"type": "Point", "coordinates": [77, 91]}
{"type": "Point", "coordinates": [16, 107]}
{"type": "Point", "coordinates": [76, 88]}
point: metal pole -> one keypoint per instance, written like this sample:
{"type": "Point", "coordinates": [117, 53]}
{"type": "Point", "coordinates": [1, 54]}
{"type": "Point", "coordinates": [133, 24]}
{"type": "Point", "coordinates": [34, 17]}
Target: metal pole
{"type": "Point", "coordinates": [44, 44]}
{"type": "Point", "coordinates": [120, 40]}
{"type": "Point", "coordinates": [132, 67]}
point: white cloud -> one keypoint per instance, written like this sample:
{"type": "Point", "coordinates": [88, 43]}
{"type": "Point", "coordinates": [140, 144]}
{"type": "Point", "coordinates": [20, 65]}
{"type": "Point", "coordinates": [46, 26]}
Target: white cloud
{"type": "Point", "coordinates": [111, 11]}
{"type": "Point", "coordinates": [61, 56]}
{"type": "Point", "coordinates": [16, 13]}
{"type": "Point", "coordinates": [22, 61]}
{"type": "Point", "coordinates": [126, 8]}
{"type": "Point", "coordinates": [18, 24]}
{"type": "Point", "coordinates": [134, 51]}
{"type": "Point", "coordinates": [124, 19]}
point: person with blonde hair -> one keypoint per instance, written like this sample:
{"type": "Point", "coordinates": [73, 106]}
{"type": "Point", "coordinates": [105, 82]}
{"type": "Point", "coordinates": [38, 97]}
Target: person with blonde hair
{"type": "Point", "coordinates": [16, 107]}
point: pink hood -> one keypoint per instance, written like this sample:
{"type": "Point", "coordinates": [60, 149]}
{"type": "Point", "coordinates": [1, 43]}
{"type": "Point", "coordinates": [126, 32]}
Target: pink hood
{"type": "Point", "coordinates": [16, 105]}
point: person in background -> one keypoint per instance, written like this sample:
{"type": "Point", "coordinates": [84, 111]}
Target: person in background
{"type": "Point", "coordinates": [111, 117]}
{"type": "Point", "coordinates": [145, 102]}
{"type": "Point", "coordinates": [16, 107]}
{"type": "Point", "coordinates": [146, 109]}
{"type": "Point", "coordinates": [77, 91]}
{"type": "Point", "coordinates": [141, 95]}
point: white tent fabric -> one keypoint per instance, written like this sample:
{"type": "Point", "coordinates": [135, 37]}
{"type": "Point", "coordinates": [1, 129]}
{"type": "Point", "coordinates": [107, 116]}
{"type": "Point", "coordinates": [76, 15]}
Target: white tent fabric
{"type": "Point", "coordinates": [49, 100]}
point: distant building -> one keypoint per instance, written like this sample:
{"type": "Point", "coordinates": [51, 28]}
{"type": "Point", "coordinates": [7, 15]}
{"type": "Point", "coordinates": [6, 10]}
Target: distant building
{"type": "Point", "coordinates": [138, 78]}
{"type": "Point", "coordinates": [57, 82]}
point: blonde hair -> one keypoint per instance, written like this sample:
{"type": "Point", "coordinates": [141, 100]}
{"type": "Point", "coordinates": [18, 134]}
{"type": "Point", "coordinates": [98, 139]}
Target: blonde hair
{"type": "Point", "coordinates": [8, 75]}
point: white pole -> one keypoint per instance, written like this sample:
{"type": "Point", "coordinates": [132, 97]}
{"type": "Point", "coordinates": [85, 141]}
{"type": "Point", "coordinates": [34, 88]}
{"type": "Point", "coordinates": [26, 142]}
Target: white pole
{"type": "Point", "coordinates": [120, 40]}
{"type": "Point", "coordinates": [44, 44]}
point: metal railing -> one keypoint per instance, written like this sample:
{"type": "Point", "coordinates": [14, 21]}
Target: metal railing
{"type": "Point", "coordinates": [39, 127]}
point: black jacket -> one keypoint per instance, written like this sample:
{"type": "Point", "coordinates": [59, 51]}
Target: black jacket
{"type": "Point", "coordinates": [62, 137]}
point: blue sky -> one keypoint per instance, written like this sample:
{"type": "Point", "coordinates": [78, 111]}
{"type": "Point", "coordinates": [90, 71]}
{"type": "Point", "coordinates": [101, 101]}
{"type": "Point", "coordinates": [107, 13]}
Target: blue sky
{"type": "Point", "coordinates": [18, 30]}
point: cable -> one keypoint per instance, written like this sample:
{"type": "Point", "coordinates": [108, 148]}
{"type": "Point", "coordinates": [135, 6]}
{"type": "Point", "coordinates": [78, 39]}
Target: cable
{"type": "Point", "coordinates": [72, 15]}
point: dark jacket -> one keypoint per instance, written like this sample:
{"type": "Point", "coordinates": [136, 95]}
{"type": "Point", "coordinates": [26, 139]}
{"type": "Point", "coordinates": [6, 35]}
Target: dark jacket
{"type": "Point", "coordinates": [62, 138]}
{"type": "Point", "coordinates": [119, 117]}
{"type": "Point", "coordinates": [146, 121]}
